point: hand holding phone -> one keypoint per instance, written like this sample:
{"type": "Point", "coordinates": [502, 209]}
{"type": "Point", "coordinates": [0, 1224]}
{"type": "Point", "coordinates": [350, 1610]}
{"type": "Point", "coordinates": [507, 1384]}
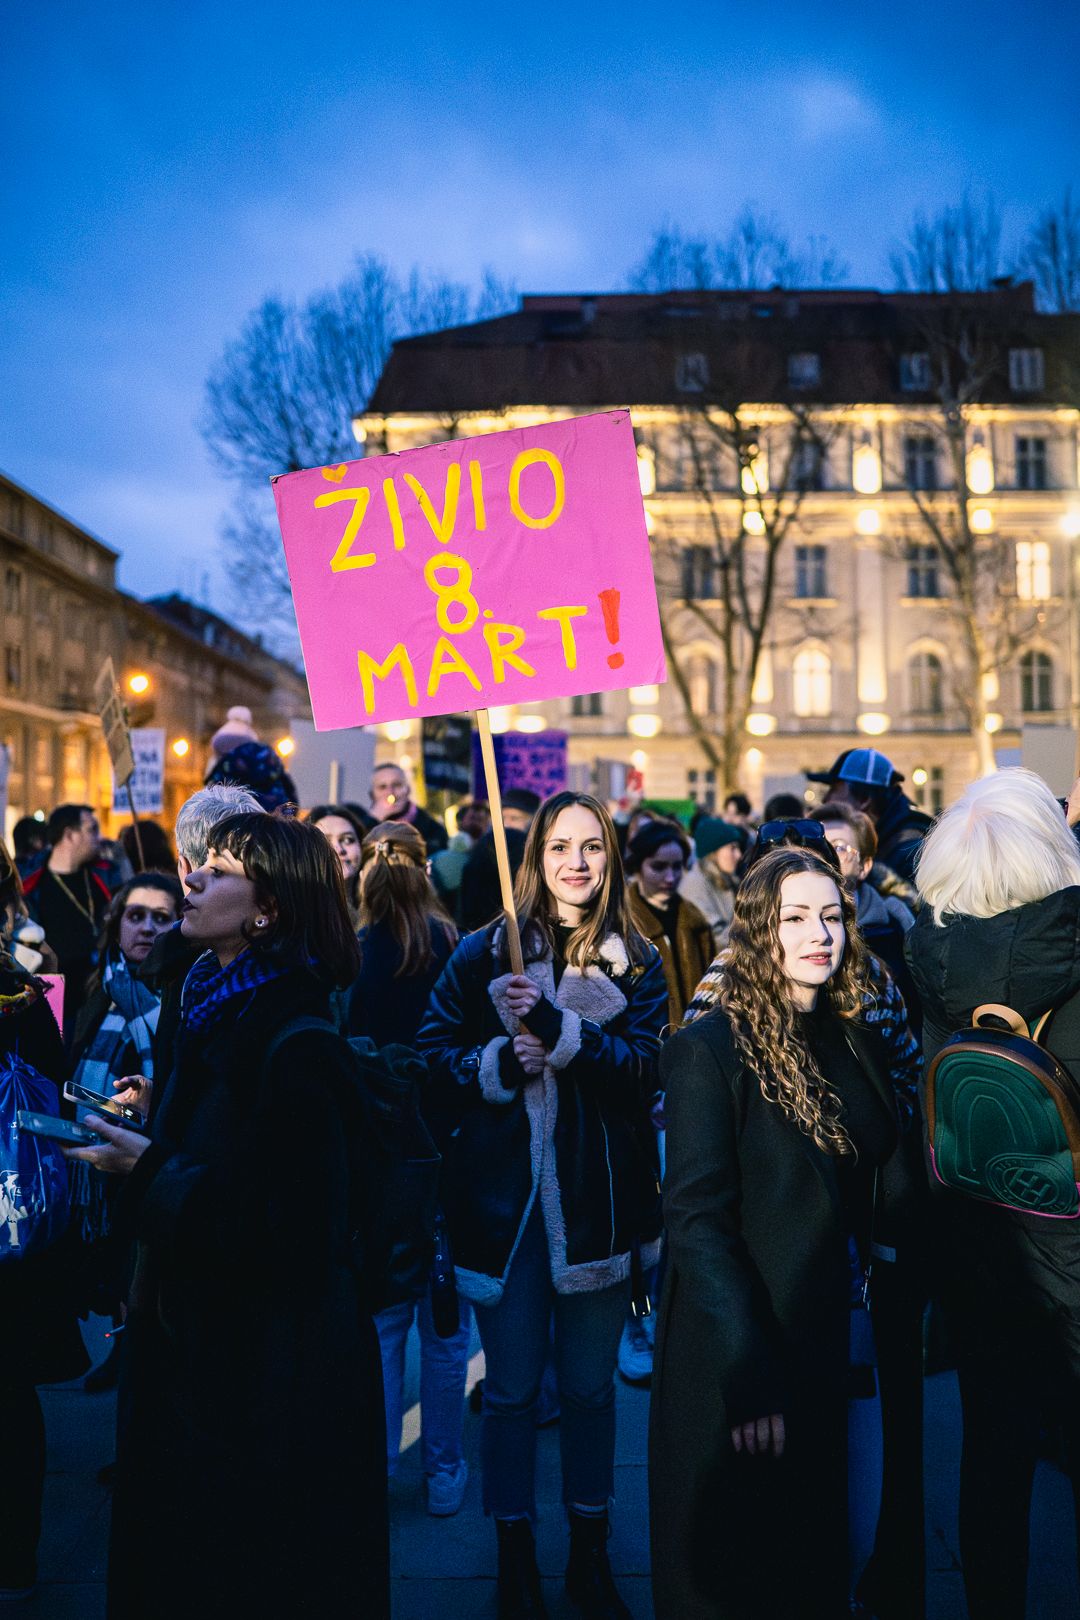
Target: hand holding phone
{"type": "Point", "coordinates": [55, 1129]}
{"type": "Point", "coordinates": [111, 1107]}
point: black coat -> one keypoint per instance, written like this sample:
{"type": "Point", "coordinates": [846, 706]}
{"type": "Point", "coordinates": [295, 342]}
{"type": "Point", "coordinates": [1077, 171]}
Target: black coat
{"type": "Point", "coordinates": [382, 1006]}
{"type": "Point", "coordinates": [40, 1295]}
{"type": "Point", "coordinates": [577, 1137]}
{"type": "Point", "coordinates": [251, 1471]}
{"type": "Point", "coordinates": [164, 971]}
{"type": "Point", "coordinates": [754, 1320]}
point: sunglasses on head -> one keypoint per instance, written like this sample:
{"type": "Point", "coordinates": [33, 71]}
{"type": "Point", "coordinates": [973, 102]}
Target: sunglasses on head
{"type": "Point", "coordinates": [793, 834]}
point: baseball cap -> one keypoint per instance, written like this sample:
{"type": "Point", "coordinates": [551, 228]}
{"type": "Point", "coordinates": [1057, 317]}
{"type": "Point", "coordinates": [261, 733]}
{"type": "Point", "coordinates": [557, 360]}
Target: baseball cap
{"type": "Point", "coordinates": [867, 766]}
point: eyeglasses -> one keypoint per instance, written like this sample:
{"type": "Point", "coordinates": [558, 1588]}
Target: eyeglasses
{"type": "Point", "coordinates": [845, 849]}
{"type": "Point", "coordinates": [138, 915]}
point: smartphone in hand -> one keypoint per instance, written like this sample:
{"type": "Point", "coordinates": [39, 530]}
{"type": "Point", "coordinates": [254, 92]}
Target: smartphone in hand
{"type": "Point", "coordinates": [125, 1113]}
{"type": "Point", "coordinates": [56, 1129]}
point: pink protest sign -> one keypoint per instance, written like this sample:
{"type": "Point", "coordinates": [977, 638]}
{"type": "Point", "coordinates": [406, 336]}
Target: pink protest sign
{"type": "Point", "coordinates": [501, 569]}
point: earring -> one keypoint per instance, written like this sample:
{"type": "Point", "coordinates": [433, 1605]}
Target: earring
{"type": "Point", "coordinates": [260, 922]}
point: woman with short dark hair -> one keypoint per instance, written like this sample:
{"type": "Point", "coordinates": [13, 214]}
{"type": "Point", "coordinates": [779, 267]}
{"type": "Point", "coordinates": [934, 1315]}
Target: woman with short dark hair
{"type": "Point", "coordinates": [251, 1457]}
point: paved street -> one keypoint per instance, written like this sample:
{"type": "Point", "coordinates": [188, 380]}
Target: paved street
{"type": "Point", "coordinates": [445, 1567]}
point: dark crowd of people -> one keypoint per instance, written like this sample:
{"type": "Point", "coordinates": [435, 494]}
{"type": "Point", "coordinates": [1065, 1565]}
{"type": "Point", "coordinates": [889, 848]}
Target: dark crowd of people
{"type": "Point", "coordinates": [705, 1134]}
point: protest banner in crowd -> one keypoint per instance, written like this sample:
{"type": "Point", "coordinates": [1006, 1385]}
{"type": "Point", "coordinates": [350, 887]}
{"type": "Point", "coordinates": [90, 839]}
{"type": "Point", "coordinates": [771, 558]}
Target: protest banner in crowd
{"type": "Point", "coordinates": [503, 569]}
{"type": "Point", "coordinates": [510, 568]}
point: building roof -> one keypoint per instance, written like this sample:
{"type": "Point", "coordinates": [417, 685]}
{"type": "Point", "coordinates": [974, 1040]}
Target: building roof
{"type": "Point", "coordinates": [607, 349]}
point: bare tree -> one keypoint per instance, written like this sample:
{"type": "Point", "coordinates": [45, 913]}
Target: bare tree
{"type": "Point", "coordinates": [955, 250]}
{"type": "Point", "coordinates": [750, 483]}
{"type": "Point", "coordinates": [1051, 255]}
{"type": "Point", "coordinates": [962, 339]}
{"type": "Point", "coordinates": [284, 392]}
{"type": "Point", "coordinates": [755, 252]}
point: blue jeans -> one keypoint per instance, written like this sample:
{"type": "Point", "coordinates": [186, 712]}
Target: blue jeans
{"type": "Point", "coordinates": [444, 1365]}
{"type": "Point", "coordinates": [515, 1337]}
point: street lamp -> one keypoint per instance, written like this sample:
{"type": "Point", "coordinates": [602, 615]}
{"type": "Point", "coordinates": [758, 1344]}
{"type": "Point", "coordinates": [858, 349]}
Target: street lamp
{"type": "Point", "coordinates": [181, 747]}
{"type": "Point", "coordinates": [138, 683]}
{"type": "Point", "coordinates": [285, 747]}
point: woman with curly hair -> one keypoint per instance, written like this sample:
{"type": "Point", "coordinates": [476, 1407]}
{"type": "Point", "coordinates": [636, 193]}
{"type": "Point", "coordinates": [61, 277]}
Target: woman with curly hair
{"type": "Point", "coordinates": [779, 1114]}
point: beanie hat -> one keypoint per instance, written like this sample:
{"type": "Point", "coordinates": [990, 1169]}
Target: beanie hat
{"type": "Point", "coordinates": [258, 768]}
{"type": "Point", "coordinates": [712, 834]}
{"type": "Point", "coordinates": [236, 730]}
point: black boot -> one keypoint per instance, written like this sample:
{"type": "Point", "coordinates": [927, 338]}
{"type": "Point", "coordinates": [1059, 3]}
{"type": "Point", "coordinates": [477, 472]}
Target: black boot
{"type": "Point", "coordinates": [520, 1597]}
{"type": "Point", "coordinates": [588, 1574]}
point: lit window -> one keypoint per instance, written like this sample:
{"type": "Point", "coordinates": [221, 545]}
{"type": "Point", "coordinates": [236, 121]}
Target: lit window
{"type": "Point", "coordinates": [1036, 683]}
{"type": "Point", "coordinates": [811, 682]}
{"type": "Point", "coordinates": [925, 684]}
{"type": "Point", "coordinates": [1033, 570]}
{"type": "Point", "coordinates": [1027, 373]}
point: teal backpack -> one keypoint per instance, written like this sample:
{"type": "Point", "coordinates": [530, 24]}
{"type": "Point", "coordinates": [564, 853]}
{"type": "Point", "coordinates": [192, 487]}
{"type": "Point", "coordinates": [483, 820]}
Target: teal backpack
{"type": "Point", "coordinates": [1003, 1116]}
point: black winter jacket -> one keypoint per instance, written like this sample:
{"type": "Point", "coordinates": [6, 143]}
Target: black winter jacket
{"type": "Point", "coordinates": [1028, 959]}
{"type": "Point", "coordinates": [577, 1137]}
{"type": "Point", "coordinates": [251, 1417]}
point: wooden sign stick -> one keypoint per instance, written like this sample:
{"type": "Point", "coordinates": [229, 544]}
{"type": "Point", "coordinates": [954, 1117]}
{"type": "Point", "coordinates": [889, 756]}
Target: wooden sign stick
{"type": "Point", "coordinates": [135, 824]}
{"type": "Point", "coordinates": [502, 854]}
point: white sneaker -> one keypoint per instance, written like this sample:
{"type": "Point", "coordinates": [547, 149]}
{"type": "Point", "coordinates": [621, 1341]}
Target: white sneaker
{"type": "Point", "coordinates": [446, 1490]}
{"type": "Point", "coordinates": [635, 1352]}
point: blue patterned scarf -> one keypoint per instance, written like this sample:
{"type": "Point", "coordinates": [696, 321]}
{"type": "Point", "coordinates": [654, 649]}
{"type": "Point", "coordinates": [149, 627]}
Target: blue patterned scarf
{"type": "Point", "coordinates": [209, 987]}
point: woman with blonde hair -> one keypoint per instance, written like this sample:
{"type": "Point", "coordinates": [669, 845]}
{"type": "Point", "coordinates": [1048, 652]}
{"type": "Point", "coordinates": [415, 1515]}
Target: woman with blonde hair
{"type": "Point", "coordinates": [1000, 877]}
{"type": "Point", "coordinates": [779, 1114]}
{"type": "Point", "coordinates": [543, 1080]}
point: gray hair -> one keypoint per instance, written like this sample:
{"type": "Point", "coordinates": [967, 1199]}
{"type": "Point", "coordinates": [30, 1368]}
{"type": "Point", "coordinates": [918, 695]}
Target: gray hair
{"type": "Point", "coordinates": [1003, 844]}
{"type": "Point", "coordinates": [200, 814]}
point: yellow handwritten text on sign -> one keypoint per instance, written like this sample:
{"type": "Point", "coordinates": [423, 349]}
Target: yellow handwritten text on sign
{"type": "Point", "coordinates": [473, 571]}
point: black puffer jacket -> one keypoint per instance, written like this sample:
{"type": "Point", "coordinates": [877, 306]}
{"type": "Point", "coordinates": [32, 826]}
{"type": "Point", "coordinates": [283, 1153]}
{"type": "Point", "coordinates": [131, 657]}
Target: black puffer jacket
{"type": "Point", "coordinates": [577, 1137]}
{"type": "Point", "coordinates": [1028, 958]}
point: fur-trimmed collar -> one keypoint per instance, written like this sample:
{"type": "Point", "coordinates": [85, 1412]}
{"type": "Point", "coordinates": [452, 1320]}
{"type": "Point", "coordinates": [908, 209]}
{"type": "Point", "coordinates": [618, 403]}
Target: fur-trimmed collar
{"type": "Point", "coordinates": [612, 951]}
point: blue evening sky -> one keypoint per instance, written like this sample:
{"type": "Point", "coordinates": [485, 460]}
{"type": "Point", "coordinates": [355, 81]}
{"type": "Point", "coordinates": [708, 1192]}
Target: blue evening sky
{"type": "Point", "coordinates": [164, 167]}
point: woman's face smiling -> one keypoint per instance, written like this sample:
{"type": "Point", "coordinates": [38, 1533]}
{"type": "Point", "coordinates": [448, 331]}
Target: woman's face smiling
{"type": "Point", "coordinates": [575, 861]}
{"type": "Point", "coordinates": [220, 909]}
{"type": "Point", "coordinates": [811, 929]}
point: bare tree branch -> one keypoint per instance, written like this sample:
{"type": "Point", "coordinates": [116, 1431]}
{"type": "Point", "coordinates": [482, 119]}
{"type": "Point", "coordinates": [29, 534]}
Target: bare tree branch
{"type": "Point", "coordinates": [1051, 255]}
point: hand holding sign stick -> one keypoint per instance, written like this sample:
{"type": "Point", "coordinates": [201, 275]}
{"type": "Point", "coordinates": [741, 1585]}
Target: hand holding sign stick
{"type": "Point", "coordinates": [469, 573]}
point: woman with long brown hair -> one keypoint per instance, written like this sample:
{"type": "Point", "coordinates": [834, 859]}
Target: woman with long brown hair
{"type": "Point", "coordinates": [542, 1083]}
{"type": "Point", "coordinates": [406, 936]}
{"type": "Point", "coordinates": [779, 1113]}
{"type": "Point", "coordinates": [405, 940]}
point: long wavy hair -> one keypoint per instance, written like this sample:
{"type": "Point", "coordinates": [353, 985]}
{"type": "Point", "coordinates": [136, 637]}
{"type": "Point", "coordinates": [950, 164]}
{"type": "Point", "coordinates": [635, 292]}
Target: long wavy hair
{"type": "Point", "coordinates": [393, 887]}
{"type": "Point", "coordinates": [755, 994]}
{"type": "Point", "coordinates": [609, 912]}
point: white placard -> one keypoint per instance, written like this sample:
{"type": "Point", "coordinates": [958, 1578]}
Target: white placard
{"type": "Point", "coordinates": [148, 780]}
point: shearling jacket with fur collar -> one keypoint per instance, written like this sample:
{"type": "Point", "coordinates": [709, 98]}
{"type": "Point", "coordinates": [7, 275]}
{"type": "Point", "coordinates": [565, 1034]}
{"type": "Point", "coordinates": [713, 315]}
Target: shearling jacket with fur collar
{"type": "Point", "coordinates": [575, 1139]}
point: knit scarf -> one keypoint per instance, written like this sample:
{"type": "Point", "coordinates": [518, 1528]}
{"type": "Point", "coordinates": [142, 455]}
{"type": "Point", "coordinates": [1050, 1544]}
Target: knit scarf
{"type": "Point", "coordinates": [128, 1025]}
{"type": "Point", "coordinates": [209, 987]}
